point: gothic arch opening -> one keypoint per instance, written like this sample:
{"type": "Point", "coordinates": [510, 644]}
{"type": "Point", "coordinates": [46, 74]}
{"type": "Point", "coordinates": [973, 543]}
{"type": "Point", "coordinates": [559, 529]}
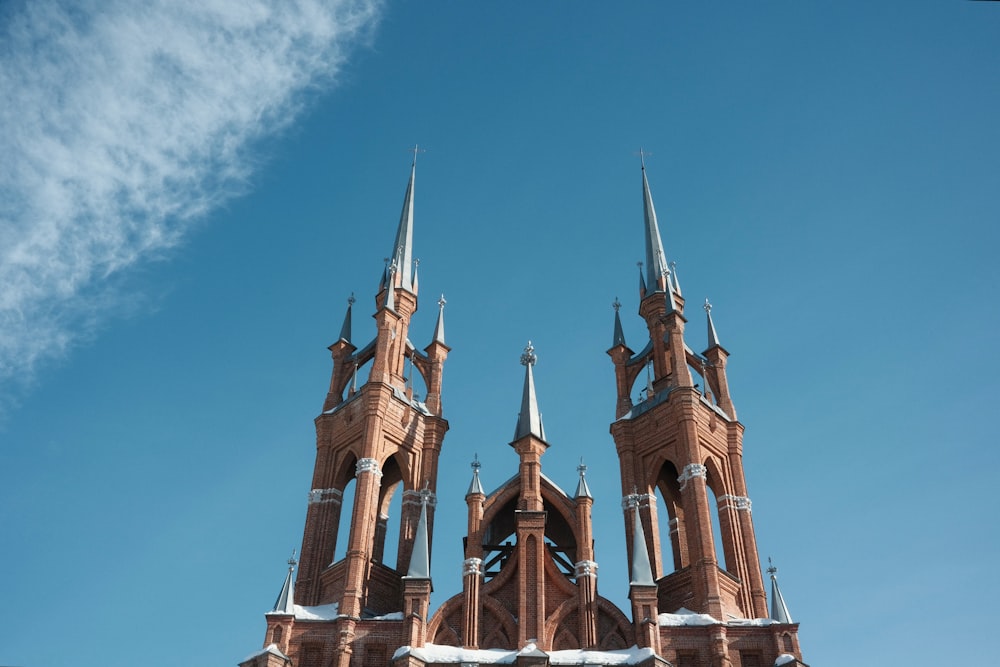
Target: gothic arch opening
{"type": "Point", "coordinates": [668, 492]}
{"type": "Point", "coordinates": [388, 534]}
{"type": "Point", "coordinates": [343, 530]}
{"type": "Point", "coordinates": [721, 510]}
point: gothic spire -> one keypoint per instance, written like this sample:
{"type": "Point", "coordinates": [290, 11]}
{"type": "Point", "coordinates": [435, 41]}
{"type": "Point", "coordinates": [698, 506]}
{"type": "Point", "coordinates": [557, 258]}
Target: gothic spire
{"type": "Point", "coordinates": [582, 489]}
{"type": "Point", "coordinates": [529, 420]}
{"type": "Point", "coordinates": [779, 610]}
{"type": "Point", "coordinates": [420, 559]}
{"type": "Point", "coordinates": [402, 251]}
{"type": "Point", "coordinates": [713, 337]}
{"type": "Point", "coordinates": [642, 573]}
{"type": "Point", "coordinates": [656, 261]}
{"type": "Point", "coordinates": [619, 336]}
{"type": "Point", "coordinates": [439, 327]}
{"type": "Point", "coordinates": [475, 486]}
{"type": "Point", "coordinates": [345, 329]}
{"type": "Point", "coordinates": [285, 604]}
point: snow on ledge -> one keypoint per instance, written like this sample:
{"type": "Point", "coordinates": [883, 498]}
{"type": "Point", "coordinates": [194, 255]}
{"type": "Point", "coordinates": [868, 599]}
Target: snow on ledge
{"type": "Point", "coordinates": [455, 655]}
{"type": "Point", "coordinates": [330, 612]}
{"type": "Point", "coordinates": [686, 617]}
{"type": "Point", "coordinates": [271, 648]}
{"type": "Point", "coordinates": [784, 659]}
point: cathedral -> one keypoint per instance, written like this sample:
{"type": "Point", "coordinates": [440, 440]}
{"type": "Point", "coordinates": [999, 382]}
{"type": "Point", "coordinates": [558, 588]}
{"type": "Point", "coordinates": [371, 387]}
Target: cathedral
{"type": "Point", "coordinates": [529, 579]}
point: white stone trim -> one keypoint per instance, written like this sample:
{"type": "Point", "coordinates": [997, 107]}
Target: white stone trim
{"type": "Point", "coordinates": [585, 568]}
{"type": "Point", "coordinates": [472, 566]}
{"type": "Point", "coordinates": [691, 471]}
{"type": "Point", "coordinates": [367, 465]}
{"type": "Point", "coordinates": [325, 496]}
{"type": "Point", "coordinates": [415, 497]}
{"type": "Point", "coordinates": [739, 503]}
{"type": "Point", "coordinates": [637, 499]}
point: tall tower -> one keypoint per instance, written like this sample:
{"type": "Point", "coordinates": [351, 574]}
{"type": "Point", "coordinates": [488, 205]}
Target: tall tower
{"type": "Point", "coordinates": [681, 452]}
{"type": "Point", "coordinates": [380, 436]}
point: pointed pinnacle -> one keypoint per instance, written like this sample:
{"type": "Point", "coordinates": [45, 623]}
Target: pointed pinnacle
{"type": "Point", "coordinates": [642, 573]}
{"type": "Point", "coordinates": [713, 337]}
{"type": "Point", "coordinates": [345, 329]}
{"type": "Point", "coordinates": [439, 327]}
{"type": "Point", "coordinates": [529, 420]}
{"type": "Point", "coordinates": [619, 335]}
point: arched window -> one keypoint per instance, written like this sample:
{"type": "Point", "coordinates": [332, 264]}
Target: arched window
{"type": "Point", "coordinates": [342, 537]}
{"type": "Point", "coordinates": [276, 634]}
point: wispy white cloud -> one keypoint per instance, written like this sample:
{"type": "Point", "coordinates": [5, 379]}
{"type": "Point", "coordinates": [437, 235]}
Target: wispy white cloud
{"type": "Point", "coordinates": [123, 122]}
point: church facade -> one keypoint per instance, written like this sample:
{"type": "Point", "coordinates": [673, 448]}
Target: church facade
{"type": "Point", "coordinates": [529, 593]}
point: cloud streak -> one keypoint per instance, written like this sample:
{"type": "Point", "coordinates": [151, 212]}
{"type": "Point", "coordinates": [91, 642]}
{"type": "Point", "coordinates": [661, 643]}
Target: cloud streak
{"type": "Point", "coordinates": [125, 122]}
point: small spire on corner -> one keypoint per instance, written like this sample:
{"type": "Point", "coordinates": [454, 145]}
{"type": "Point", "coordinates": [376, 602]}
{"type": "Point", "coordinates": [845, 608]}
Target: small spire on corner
{"type": "Point", "coordinates": [439, 326]}
{"type": "Point", "coordinates": [285, 604]}
{"type": "Point", "coordinates": [582, 489]}
{"type": "Point", "coordinates": [619, 336]}
{"type": "Point", "coordinates": [420, 558]}
{"type": "Point", "coordinates": [713, 337]}
{"type": "Point", "coordinates": [345, 329]}
{"type": "Point", "coordinates": [476, 486]}
{"type": "Point", "coordinates": [642, 573]}
{"type": "Point", "coordinates": [779, 610]}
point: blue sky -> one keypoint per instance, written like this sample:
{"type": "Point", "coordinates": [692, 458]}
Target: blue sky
{"type": "Point", "coordinates": [190, 191]}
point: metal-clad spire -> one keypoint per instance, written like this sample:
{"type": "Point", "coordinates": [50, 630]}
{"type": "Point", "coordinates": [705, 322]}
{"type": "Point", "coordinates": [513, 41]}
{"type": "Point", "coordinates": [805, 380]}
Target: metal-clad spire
{"type": "Point", "coordinates": [416, 265]}
{"type": "Point", "coordinates": [779, 610]}
{"type": "Point", "coordinates": [642, 573]}
{"type": "Point", "coordinates": [619, 337]}
{"type": "Point", "coordinates": [476, 486]}
{"type": "Point", "coordinates": [439, 327]}
{"type": "Point", "coordinates": [671, 304]}
{"type": "Point", "coordinates": [345, 329]}
{"type": "Point", "coordinates": [582, 489]}
{"type": "Point", "coordinates": [390, 291]}
{"type": "Point", "coordinates": [420, 559]}
{"type": "Point", "coordinates": [656, 260]}
{"type": "Point", "coordinates": [285, 604]}
{"type": "Point", "coordinates": [677, 281]}
{"type": "Point", "coordinates": [713, 338]}
{"type": "Point", "coordinates": [529, 420]}
{"type": "Point", "coordinates": [403, 249]}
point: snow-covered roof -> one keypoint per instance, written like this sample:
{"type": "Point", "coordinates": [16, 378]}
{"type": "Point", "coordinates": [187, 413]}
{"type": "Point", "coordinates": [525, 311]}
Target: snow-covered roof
{"type": "Point", "coordinates": [271, 648]}
{"type": "Point", "coordinates": [687, 617]}
{"type": "Point", "coordinates": [433, 653]}
{"type": "Point", "coordinates": [784, 659]}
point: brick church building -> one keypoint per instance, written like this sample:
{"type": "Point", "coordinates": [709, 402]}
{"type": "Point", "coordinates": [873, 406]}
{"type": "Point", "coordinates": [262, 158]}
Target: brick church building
{"type": "Point", "coordinates": [529, 594]}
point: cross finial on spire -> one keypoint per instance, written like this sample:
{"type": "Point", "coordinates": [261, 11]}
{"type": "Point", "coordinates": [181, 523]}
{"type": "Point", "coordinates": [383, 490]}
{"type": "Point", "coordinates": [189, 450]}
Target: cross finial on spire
{"type": "Point", "coordinates": [582, 469]}
{"type": "Point", "coordinates": [528, 358]}
{"type": "Point", "coordinates": [476, 465]}
{"type": "Point", "coordinates": [771, 569]}
{"type": "Point", "coordinates": [416, 149]}
{"type": "Point", "coordinates": [642, 157]}
{"type": "Point", "coordinates": [291, 561]}
{"type": "Point", "coordinates": [442, 301]}
{"type": "Point", "coordinates": [707, 306]}
{"type": "Point", "coordinates": [617, 305]}
{"type": "Point", "coordinates": [351, 300]}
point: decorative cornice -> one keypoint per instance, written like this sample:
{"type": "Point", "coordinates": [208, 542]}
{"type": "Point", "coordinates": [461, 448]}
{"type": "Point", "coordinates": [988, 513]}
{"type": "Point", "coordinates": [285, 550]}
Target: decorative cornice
{"type": "Point", "coordinates": [415, 497]}
{"type": "Point", "coordinates": [691, 471]}
{"type": "Point", "coordinates": [325, 496]}
{"type": "Point", "coordinates": [367, 465]}
{"type": "Point", "coordinates": [472, 566]}
{"type": "Point", "coordinates": [642, 499]}
{"type": "Point", "coordinates": [585, 568]}
{"type": "Point", "coordinates": [728, 502]}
